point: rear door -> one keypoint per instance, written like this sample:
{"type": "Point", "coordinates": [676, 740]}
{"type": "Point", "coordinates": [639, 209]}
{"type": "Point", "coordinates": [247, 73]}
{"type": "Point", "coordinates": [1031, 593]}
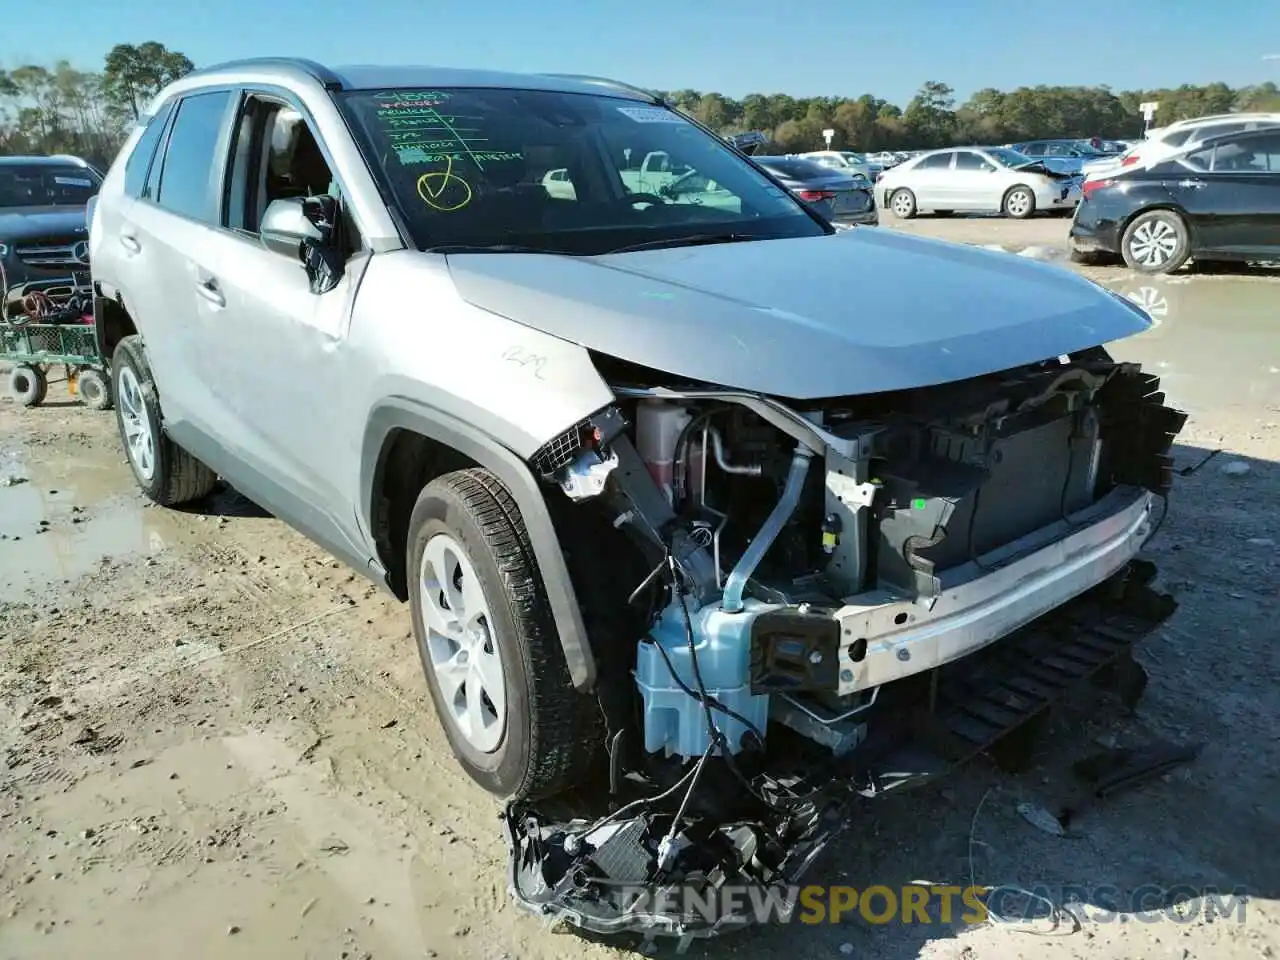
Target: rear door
{"type": "Point", "coordinates": [929, 179]}
{"type": "Point", "coordinates": [164, 235]}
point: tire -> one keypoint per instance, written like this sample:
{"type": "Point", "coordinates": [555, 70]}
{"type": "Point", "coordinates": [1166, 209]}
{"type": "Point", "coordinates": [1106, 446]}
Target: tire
{"type": "Point", "coordinates": [167, 474]}
{"type": "Point", "coordinates": [1019, 202]}
{"type": "Point", "coordinates": [539, 735]}
{"type": "Point", "coordinates": [94, 389]}
{"type": "Point", "coordinates": [28, 385]}
{"type": "Point", "coordinates": [1156, 242]}
{"type": "Point", "coordinates": [903, 203]}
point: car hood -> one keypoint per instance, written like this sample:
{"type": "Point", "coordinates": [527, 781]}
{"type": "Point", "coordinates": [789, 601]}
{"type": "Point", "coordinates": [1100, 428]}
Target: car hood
{"type": "Point", "coordinates": [36, 223]}
{"type": "Point", "coordinates": [859, 311]}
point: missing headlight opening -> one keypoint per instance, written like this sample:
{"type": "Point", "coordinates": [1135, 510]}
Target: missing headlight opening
{"type": "Point", "coordinates": [795, 607]}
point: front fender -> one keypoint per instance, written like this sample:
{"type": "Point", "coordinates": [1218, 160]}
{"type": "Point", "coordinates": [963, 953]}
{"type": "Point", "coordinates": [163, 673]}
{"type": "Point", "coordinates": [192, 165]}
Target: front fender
{"type": "Point", "coordinates": [401, 413]}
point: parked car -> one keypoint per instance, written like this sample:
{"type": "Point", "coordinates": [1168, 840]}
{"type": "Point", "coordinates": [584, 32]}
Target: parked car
{"type": "Point", "coordinates": [845, 160]}
{"type": "Point", "coordinates": [674, 491]}
{"type": "Point", "coordinates": [839, 196]}
{"type": "Point", "coordinates": [976, 179]}
{"type": "Point", "coordinates": [1161, 143]}
{"type": "Point", "coordinates": [1065, 156]}
{"type": "Point", "coordinates": [43, 234]}
{"type": "Point", "coordinates": [1217, 201]}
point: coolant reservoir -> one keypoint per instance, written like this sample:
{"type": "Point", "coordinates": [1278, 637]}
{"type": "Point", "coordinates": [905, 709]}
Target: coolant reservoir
{"type": "Point", "coordinates": [676, 723]}
{"type": "Point", "coordinates": [658, 426]}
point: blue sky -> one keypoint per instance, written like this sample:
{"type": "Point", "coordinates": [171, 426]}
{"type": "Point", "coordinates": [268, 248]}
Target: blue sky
{"type": "Point", "coordinates": [800, 48]}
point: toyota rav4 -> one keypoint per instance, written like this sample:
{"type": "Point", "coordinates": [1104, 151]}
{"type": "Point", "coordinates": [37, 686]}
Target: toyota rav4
{"type": "Point", "coordinates": [721, 516]}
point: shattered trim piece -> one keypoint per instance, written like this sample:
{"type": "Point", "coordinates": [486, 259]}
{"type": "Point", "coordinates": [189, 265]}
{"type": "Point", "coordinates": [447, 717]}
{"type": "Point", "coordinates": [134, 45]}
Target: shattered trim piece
{"type": "Point", "coordinates": [606, 876]}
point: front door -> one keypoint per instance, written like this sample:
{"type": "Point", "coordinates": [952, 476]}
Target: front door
{"type": "Point", "coordinates": [1231, 192]}
{"type": "Point", "coordinates": [972, 185]}
{"type": "Point", "coordinates": [274, 346]}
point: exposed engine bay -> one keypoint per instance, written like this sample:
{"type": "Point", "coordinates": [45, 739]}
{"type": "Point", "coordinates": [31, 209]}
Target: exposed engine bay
{"type": "Point", "coordinates": [795, 607]}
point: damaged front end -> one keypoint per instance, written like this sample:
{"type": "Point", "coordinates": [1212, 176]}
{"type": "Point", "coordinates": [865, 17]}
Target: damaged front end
{"type": "Point", "coordinates": [830, 601]}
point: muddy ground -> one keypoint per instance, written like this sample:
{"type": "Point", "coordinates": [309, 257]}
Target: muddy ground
{"type": "Point", "coordinates": [217, 742]}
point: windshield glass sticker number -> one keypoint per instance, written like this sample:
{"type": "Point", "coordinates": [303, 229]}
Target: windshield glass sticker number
{"type": "Point", "coordinates": [651, 115]}
{"type": "Point", "coordinates": [72, 182]}
{"type": "Point", "coordinates": [444, 190]}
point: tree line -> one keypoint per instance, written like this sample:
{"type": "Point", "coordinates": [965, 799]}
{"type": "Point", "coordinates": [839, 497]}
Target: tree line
{"type": "Point", "coordinates": [932, 118]}
{"type": "Point", "coordinates": [59, 109]}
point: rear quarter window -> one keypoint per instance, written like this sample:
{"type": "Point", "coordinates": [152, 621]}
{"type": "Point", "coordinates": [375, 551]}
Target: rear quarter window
{"type": "Point", "coordinates": [144, 150]}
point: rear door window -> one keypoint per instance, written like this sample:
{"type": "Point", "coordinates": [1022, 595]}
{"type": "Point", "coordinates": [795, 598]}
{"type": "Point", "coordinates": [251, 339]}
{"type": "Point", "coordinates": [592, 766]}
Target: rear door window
{"type": "Point", "coordinates": [938, 161]}
{"type": "Point", "coordinates": [188, 174]}
{"type": "Point", "coordinates": [139, 162]}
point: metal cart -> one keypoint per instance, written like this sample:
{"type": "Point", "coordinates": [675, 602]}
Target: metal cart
{"type": "Point", "coordinates": [32, 346]}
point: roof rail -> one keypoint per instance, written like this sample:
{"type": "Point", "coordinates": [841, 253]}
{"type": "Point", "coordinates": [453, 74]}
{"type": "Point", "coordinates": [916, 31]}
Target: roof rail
{"type": "Point", "coordinates": [316, 71]}
{"type": "Point", "coordinates": [587, 78]}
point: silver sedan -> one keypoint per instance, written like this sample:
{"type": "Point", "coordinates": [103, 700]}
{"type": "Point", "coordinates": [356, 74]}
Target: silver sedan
{"type": "Point", "coordinates": [976, 180]}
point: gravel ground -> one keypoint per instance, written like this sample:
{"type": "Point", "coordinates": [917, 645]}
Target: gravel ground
{"type": "Point", "coordinates": [218, 743]}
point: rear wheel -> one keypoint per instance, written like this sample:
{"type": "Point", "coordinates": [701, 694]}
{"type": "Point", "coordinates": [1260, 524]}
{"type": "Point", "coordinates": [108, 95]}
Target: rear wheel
{"type": "Point", "coordinates": [1019, 203]}
{"type": "Point", "coordinates": [488, 642]}
{"type": "Point", "coordinates": [28, 385]}
{"type": "Point", "coordinates": [1156, 242]}
{"type": "Point", "coordinates": [903, 203]}
{"type": "Point", "coordinates": [167, 474]}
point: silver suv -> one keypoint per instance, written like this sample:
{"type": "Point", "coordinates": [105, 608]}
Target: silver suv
{"type": "Point", "coordinates": [712, 500]}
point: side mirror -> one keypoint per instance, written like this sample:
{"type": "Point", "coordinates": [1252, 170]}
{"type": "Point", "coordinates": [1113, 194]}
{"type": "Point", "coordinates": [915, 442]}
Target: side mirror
{"type": "Point", "coordinates": [285, 226]}
{"type": "Point", "coordinates": [304, 228]}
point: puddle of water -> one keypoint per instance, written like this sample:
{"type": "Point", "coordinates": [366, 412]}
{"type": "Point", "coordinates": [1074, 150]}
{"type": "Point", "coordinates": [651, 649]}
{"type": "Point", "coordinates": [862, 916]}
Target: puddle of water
{"type": "Point", "coordinates": [64, 520]}
{"type": "Point", "coordinates": [1215, 343]}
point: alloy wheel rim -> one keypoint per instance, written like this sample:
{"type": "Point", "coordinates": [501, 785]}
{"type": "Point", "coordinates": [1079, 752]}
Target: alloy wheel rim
{"type": "Point", "coordinates": [1153, 243]}
{"type": "Point", "coordinates": [1018, 202]}
{"type": "Point", "coordinates": [139, 437]}
{"type": "Point", "coordinates": [461, 645]}
{"type": "Point", "coordinates": [901, 204]}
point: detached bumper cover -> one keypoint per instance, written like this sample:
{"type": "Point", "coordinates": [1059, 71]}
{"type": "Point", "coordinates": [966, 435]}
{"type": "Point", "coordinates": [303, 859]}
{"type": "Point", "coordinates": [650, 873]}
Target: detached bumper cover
{"type": "Point", "coordinates": [749, 854]}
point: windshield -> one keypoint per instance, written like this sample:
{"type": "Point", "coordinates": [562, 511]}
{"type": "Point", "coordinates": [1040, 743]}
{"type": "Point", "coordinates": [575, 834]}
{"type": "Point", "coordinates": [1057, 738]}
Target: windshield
{"type": "Point", "coordinates": [561, 172]}
{"type": "Point", "coordinates": [1010, 158]}
{"type": "Point", "coordinates": [42, 185]}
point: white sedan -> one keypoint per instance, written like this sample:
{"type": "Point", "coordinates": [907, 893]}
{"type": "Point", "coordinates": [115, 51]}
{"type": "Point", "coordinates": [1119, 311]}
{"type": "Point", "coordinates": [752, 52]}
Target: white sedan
{"type": "Point", "coordinates": [976, 179]}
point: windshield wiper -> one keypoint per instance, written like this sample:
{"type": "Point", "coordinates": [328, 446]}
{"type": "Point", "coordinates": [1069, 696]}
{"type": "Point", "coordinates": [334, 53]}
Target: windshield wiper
{"type": "Point", "coordinates": [486, 248]}
{"type": "Point", "coordinates": [693, 240]}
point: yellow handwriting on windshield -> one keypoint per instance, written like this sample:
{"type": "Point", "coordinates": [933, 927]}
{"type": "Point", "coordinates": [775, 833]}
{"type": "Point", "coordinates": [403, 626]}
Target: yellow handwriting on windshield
{"type": "Point", "coordinates": [443, 189]}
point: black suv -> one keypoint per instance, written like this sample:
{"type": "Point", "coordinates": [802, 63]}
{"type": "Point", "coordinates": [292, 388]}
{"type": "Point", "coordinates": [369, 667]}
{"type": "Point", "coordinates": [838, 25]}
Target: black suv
{"type": "Point", "coordinates": [43, 233]}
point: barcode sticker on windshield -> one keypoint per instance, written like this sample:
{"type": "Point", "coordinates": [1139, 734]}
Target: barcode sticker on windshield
{"type": "Point", "coordinates": [651, 115]}
{"type": "Point", "coordinates": [72, 182]}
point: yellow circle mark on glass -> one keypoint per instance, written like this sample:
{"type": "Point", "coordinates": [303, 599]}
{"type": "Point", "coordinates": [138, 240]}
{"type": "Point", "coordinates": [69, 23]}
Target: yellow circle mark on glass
{"type": "Point", "coordinates": [444, 190]}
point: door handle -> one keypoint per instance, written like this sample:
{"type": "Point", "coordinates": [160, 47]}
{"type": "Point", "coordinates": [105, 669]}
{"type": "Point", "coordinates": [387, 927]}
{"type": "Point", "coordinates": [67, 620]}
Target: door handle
{"type": "Point", "coordinates": [1191, 184]}
{"type": "Point", "coordinates": [209, 290]}
{"type": "Point", "coordinates": [130, 243]}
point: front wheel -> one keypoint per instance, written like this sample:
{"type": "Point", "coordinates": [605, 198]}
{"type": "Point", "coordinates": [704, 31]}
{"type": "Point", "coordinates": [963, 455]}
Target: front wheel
{"type": "Point", "coordinates": [167, 474]}
{"type": "Point", "coordinates": [94, 389]}
{"type": "Point", "coordinates": [488, 642]}
{"type": "Point", "coordinates": [1156, 242]}
{"type": "Point", "coordinates": [903, 203]}
{"type": "Point", "coordinates": [1019, 203]}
